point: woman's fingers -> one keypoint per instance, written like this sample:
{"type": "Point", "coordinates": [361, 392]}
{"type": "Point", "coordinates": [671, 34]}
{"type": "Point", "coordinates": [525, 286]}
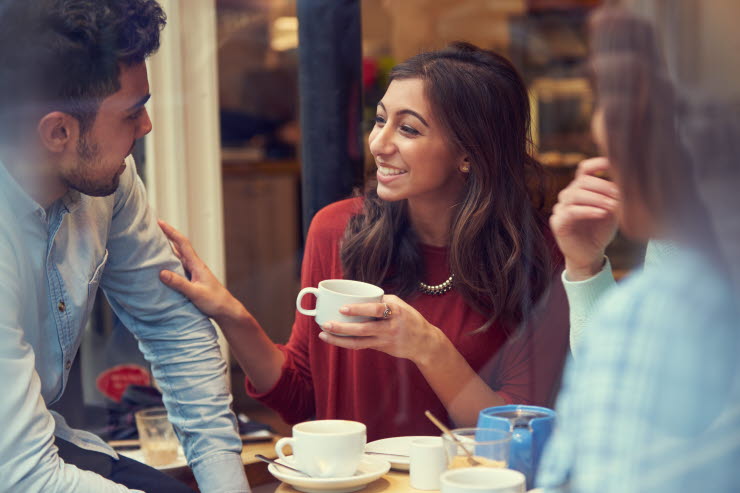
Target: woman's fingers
{"type": "Point", "coordinates": [352, 329]}
{"type": "Point", "coordinates": [582, 196]}
{"type": "Point", "coordinates": [348, 342]}
{"type": "Point", "coordinates": [575, 214]}
{"type": "Point", "coordinates": [593, 166]}
{"type": "Point", "coordinates": [588, 183]}
{"type": "Point", "coordinates": [177, 282]}
{"type": "Point", "coordinates": [365, 309]}
{"type": "Point", "coordinates": [184, 249]}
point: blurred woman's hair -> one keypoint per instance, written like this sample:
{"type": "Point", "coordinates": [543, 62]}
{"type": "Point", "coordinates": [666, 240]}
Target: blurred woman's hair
{"type": "Point", "coordinates": [639, 107]}
{"type": "Point", "coordinates": [499, 250]}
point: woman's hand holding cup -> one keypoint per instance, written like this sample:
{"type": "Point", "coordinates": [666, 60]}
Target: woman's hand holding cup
{"type": "Point", "coordinates": [403, 332]}
{"type": "Point", "coordinates": [333, 294]}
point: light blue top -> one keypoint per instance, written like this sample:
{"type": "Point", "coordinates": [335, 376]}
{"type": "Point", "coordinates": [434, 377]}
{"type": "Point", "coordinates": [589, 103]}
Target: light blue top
{"type": "Point", "coordinates": [51, 264]}
{"type": "Point", "coordinates": [652, 402]}
{"type": "Point", "coordinates": [583, 296]}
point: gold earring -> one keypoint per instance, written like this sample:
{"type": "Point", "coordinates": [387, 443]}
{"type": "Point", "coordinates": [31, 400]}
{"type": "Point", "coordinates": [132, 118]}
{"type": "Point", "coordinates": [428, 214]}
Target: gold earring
{"type": "Point", "coordinates": [465, 168]}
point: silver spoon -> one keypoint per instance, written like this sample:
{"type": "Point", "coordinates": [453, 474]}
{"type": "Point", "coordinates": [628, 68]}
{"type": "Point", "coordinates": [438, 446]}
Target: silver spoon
{"type": "Point", "coordinates": [386, 453]}
{"type": "Point", "coordinates": [265, 459]}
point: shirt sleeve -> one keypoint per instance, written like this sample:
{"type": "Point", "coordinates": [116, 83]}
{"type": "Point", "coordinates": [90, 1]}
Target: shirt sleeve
{"type": "Point", "coordinates": [583, 297]}
{"type": "Point", "coordinates": [177, 339]}
{"type": "Point", "coordinates": [29, 460]}
{"type": "Point", "coordinates": [293, 395]}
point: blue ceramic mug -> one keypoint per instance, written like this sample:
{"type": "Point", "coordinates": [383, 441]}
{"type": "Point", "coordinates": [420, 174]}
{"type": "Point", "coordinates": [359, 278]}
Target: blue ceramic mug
{"type": "Point", "coordinates": [530, 427]}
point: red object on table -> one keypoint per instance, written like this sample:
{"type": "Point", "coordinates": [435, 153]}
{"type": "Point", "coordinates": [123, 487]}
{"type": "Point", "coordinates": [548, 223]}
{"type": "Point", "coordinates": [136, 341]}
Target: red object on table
{"type": "Point", "coordinates": [113, 382]}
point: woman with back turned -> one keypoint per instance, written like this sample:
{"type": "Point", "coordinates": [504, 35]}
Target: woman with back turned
{"type": "Point", "coordinates": [652, 403]}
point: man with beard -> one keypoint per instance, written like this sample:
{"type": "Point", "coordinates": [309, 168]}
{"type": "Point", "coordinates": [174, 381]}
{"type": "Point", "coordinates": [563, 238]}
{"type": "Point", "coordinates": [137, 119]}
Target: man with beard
{"type": "Point", "coordinates": [73, 216]}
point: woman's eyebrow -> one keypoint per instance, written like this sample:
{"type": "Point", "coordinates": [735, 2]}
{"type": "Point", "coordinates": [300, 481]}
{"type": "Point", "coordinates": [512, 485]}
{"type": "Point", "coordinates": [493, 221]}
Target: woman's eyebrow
{"type": "Point", "coordinates": [407, 112]}
{"type": "Point", "coordinates": [414, 113]}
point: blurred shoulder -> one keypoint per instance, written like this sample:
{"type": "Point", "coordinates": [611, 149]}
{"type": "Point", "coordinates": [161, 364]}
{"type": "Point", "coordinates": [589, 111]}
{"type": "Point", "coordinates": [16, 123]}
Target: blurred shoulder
{"type": "Point", "coordinates": [675, 301]}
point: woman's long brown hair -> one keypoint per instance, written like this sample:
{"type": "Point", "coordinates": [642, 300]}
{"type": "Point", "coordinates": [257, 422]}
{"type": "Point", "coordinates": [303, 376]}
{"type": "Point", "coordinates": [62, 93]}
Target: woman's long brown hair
{"type": "Point", "coordinates": [640, 109]}
{"type": "Point", "coordinates": [499, 250]}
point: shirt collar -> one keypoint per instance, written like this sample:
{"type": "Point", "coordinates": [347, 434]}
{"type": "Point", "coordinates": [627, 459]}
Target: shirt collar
{"type": "Point", "coordinates": [72, 200]}
{"type": "Point", "coordinates": [16, 197]}
{"type": "Point", "coordinates": [23, 204]}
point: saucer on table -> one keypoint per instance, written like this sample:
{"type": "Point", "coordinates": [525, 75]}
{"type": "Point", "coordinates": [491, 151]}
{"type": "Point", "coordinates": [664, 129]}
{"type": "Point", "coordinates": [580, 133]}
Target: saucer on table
{"type": "Point", "coordinates": [370, 469]}
{"type": "Point", "coordinates": [395, 445]}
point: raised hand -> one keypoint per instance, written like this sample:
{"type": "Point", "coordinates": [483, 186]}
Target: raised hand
{"type": "Point", "coordinates": [203, 289]}
{"type": "Point", "coordinates": [584, 220]}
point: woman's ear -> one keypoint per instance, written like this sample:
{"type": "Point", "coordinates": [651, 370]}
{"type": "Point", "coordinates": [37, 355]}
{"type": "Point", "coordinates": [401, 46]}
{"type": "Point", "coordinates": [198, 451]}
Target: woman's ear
{"type": "Point", "coordinates": [465, 165]}
{"type": "Point", "coordinates": [57, 130]}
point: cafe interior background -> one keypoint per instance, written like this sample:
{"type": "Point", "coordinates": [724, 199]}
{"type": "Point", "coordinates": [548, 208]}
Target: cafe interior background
{"type": "Point", "coordinates": [225, 163]}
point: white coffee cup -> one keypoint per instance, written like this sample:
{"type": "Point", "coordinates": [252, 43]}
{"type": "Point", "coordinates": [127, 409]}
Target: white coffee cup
{"type": "Point", "coordinates": [428, 460]}
{"type": "Point", "coordinates": [332, 294]}
{"type": "Point", "coordinates": [482, 480]}
{"type": "Point", "coordinates": [328, 448]}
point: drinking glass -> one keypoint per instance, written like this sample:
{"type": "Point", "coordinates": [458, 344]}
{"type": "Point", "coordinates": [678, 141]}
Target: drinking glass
{"type": "Point", "coordinates": [158, 440]}
{"type": "Point", "coordinates": [489, 447]}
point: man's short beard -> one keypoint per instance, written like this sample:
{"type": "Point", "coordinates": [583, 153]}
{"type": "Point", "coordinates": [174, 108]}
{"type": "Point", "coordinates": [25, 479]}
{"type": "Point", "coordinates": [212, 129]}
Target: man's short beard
{"type": "Point", "coordinates": [88, 156]}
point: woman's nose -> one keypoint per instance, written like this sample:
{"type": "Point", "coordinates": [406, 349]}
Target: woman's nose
{"type": "Point", "coordinates": [380, 141]}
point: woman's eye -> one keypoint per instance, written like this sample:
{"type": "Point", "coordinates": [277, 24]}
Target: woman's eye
{"type": "Point", "coordinates": [379, 120]}
{"type": "Point", "coordinates": [409, 130]}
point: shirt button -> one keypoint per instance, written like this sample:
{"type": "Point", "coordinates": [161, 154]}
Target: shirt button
{"type": "Point", "coordinates": [68, 365]}
{"type": "Point", "coordinates": [61, 306]}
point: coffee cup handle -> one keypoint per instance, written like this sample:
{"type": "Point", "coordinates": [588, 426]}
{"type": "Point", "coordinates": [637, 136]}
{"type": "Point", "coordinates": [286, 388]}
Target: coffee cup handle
{"type": "Point", "coordinates": [305, 291]}
{"type": "Point", "coordinates": [281, 444]}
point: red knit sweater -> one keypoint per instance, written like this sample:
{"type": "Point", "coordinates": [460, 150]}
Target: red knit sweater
{"type": "Point", "coordinates": [388, 394]}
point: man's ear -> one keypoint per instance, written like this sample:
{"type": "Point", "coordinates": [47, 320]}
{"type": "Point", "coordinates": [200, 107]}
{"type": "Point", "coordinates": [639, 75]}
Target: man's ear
{"type": "Point", "coordinates": [57, 130]}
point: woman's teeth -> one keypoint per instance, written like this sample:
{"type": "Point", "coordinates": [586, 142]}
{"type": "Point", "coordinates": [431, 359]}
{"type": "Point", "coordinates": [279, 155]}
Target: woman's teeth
{"type": "Point", "coordinates": [385, 171]}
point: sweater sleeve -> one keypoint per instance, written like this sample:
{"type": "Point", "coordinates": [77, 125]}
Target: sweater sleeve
{"type": "Point", "coordinates": [293, 395]}
{"type": "Point", "coordinates": [583, 296]}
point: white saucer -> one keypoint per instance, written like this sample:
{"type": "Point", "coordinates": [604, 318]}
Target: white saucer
{"type": "Point", "coordinates": [138, 455]}
{"type": "Point", "coordinates": [395, 445]}
{"type": "Point", "coordinates": [370, 469]}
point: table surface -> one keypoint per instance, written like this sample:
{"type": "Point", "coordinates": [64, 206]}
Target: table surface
{"type": "Point", "coordinates": [256, 469]}
{"type": "Point", "coordinates": [263, 482]}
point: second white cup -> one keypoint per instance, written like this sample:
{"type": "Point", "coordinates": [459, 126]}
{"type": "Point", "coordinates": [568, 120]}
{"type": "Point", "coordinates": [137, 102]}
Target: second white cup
{"type": "Point", "coordinates": [427, 462]}
{"type": "Point", "coordinates": [328, 448]}
{"type": "Point", "coordinates": [332, 294]}
{"type": "Point", "coordinates": [482, 480]}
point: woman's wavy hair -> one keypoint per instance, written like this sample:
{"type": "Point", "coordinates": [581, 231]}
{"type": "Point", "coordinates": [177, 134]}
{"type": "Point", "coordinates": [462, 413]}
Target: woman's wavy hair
{"type": "Point", "coordinates": [641, 113]}
{"type": "Point", "coordinates": [498, 250]}
{"type": "Point", "coordinates": [64, 55]}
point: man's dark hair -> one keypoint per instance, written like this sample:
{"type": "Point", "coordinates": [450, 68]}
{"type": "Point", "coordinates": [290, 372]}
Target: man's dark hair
{"type": "Point", "coordinates": [64, 55]}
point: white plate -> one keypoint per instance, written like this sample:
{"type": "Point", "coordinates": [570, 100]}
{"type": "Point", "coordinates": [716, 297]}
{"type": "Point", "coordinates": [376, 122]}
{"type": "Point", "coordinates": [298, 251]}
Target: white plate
{"type": "Point", "coordinates": [370, 469]}
{"type": "Point", "coordinates": [138, 455]}
{"type": "Point", "coordinates": [395, 445]}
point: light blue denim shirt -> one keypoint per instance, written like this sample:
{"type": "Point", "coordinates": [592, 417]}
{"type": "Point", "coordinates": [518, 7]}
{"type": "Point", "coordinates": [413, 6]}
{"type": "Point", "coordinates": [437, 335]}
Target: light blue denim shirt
{"type": "Point", "coordinates": [51, 265]}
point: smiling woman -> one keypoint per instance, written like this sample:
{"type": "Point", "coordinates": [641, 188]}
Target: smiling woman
{"type": "Point", "coordinates": [415, 160]}
{"type": "Point", "coordinates": [451, 144]}
{"type": "Point", "coordinates": [452, 230]}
